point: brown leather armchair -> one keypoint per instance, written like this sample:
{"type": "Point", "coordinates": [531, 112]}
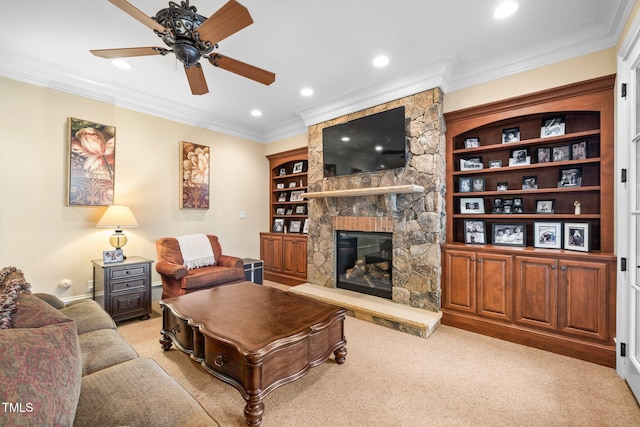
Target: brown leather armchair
{"type": "Point", "coordinates": [177, 280]}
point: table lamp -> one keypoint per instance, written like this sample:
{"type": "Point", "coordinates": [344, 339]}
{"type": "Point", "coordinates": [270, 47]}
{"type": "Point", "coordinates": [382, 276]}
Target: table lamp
{"type": "Point", "coordinates": [118, 217]}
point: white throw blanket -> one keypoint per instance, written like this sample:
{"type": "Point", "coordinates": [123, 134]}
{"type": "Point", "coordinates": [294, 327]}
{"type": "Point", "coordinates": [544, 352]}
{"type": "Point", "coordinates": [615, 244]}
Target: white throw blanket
{"type": "Point", "coordinates": [196, 250]}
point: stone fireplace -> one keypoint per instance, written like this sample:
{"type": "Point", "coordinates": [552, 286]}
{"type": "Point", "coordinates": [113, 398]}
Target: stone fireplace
{"type": "Point", "coordinates": [407, 203]}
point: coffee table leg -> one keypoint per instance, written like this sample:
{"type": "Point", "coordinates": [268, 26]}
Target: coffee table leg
{"type": "Point", "coordinates": [340, 355]}
{"type": "Point", "coordinates": [165, 342]}
{"type": "Point", "coordinates": [253, 412]}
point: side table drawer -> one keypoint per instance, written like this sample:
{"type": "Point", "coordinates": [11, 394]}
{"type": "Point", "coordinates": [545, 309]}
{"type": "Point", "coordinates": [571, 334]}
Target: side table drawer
{"type": "Point", "coordinates": [129, 285]}
{"type": "Point", "coordinates": [128, 304]}
{"type": "Point", "coordinates": [122, 273]}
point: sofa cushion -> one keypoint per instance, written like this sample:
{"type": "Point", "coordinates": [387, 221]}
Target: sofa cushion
{"type": "Point", "coordinates": [89, 316]}
{"type": "Point", "coordinates": [40, 367]}
{"type": "Point", "coordinates": [103, 348]}
{"type": "Point", "coordinates": [207, 277]}
{"type": "Point", "coordinates": [123, 395]}
{"type": "Point", "coordinates": [52, 300]}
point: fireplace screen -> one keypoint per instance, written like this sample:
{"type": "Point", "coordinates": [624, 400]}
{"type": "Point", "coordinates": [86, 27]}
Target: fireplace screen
{"type": "Point", "coordinates": [364, 262]}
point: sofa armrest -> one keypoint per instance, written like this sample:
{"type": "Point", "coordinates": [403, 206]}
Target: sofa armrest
{"type": "Point", "coordinates": [230, 261]}
{"type": "Point", "coordinates": [175, 271]}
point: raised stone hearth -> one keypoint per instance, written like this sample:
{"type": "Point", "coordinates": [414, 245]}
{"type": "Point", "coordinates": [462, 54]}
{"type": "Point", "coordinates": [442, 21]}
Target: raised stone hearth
{"type": "Point", "coordinates": [409, 203]}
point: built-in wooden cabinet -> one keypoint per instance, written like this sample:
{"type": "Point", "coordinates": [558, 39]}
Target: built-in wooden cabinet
{"type": "Point", "coordinates": [555, 298]}
{"type": "Point", "coordinates": [284, 248]}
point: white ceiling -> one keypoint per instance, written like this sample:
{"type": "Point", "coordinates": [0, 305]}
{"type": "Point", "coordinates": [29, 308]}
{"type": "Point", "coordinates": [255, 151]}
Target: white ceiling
{"type": "Point", "coordinates": [327, 45]}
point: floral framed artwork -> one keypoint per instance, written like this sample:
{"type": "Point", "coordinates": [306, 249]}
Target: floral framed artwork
{"type": "Point", "coordinates": [194, 176]}
{"type": "Point", "coordinates": [92, 149]}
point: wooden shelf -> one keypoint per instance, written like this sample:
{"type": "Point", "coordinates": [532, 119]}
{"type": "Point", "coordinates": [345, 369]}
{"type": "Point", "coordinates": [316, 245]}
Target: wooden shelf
{"type": "Point", "coordinates": [395, 189]}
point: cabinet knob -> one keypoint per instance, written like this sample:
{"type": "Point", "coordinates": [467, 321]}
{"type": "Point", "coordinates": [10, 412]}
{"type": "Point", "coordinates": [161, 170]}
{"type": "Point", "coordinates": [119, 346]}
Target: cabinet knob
{"type": "Point", "coordinates": [473, 259]}
{"type": "Point", "coordinates": [553, 267]}
{"type": "Point", "coordinates": [564, 267]}
{"type": "Point", "coordinates": [480, 260]}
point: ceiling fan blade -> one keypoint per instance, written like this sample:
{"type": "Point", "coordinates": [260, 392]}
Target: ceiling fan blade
{"type": "Point", "coordinates": [195, 75]}
{"type": "Point", "coordinates": [229, 19]}
{"type": "Point", "coordinates": [245, 70]}
{"type": "Point", "coordinates": [139, 15]}
{"type": "Point", "coordinates": [129, 51]}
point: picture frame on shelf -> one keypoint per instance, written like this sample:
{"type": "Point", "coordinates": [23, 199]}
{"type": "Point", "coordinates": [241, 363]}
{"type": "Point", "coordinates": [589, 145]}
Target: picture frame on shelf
{"type": "Point", "coordinates": [547, 235]}
{"type": "Point", "coordinates": [510, 135]}
{"type": "Point", "coordinates": [478, 184]}
{"type": "Point", "coordinates": [518, 206]}
{"type": "Point", "coordinates": [577, 236]}
{"type": "Point", "coordinates": [283, 171]}
{"type": "Point", "coordinates": [507, 206]}
{"type": "Point", "coordinates": [296, 196]}
{"type": "Point", "coordinates": [297, 167]}
{"type": "Point", "coordinates": [474, 232]}
{"type": "Point", "coordinates": [552, 127]}
{"type": "Point", "coordinates": [502, 186]}
{"type": "Point", "coordinates": [305, 227]}
{"type": "Point", "coordinates": [529, 182]}
{"type": "Point", "coordinates": [295, 226]}
{"type": "Point", "coordinates": [471, 205]}
{"type": "Point", "coordinates": [546, 206]}
{"type": "Point", "coordinates": [473, 142]}
{"type": "Point", "coordinates": [282, 197]}
{"type": "Point", "coordinates": [112, 256]}
{"type": "Point", "coordinates": [570, 178]}
{"type": "Point", "coordinates": [509, 234]}
{"type": "Point", "coordinates": [544, 155]}
{"type": "Point", "coordinates": [519, 156]}
{"type": "Point", "coordinates": [497, 206]}
{"type": "Point", "coordinates": [293, 184]}
{"type": "Point", "coordinates": [279, 211]}
{"type": "Point", "coordinates": [301, 210]}
{"type": "Point", "coordinates": [471, 163]}
{"type": "Point", "coordinates": [561, 154]}
{"type": "Point", "coordinates": [289, 211]}
{"type": "Point", "coordinates": [465, 184]}
{"type": "Point", "coordinates": [493, 164]}
{"type": "Point", "coordinates": [278, 225]}
{"type": "Point", "coordinates": [579, 150]}
{"type": "Point", "coordinates": [280, 185]}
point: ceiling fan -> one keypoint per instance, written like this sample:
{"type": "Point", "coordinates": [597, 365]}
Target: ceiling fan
{"type": "Point", "coordinates": [190, 37]}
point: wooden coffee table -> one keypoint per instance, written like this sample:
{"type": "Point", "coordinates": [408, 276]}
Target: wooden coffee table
{"type": "Point", "coordinates": [254, 337]}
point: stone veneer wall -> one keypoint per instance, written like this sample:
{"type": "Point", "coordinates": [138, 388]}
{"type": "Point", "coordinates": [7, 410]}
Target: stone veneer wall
{"type": "Point", "coordinates": [417, 220]}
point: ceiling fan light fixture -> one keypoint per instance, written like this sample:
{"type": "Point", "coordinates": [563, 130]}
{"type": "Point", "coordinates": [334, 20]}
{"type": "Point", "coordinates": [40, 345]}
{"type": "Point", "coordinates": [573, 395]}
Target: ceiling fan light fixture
{"type": "Point", "coordinates": [256, 113]}
{"type": "Point", "coordinates": [306, 91]}
{"type": "Point", "coordinates": [381, 61]}
{"type": "Point", "coordinates": [187, 54]}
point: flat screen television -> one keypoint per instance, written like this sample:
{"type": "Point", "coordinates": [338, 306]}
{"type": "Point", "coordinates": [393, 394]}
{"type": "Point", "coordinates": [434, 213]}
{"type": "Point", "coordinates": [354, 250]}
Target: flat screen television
{"type": "Point", "coordinates": [372, 143]}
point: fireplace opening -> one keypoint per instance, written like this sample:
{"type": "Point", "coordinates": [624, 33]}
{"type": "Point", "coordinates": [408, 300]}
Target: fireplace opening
{"type": "Point", "coordinates": [364, 262]}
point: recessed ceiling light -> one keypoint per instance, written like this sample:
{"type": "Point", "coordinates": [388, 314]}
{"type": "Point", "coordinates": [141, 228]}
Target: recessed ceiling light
{"type": "Point", "coordinates": [378, 147]}
{"type": "Point", "coordinates": [306, 91]}
{"type": "Point", "coordinates": [505, 9]}
{"type": "Point", "coordinates": [345, 139]}
{"type": "Point", "coordinates": [380, 61]}
{"type": "Point", "coordinates": [256, 113]}
{"type": "Point", "coordinates": [123, 65]}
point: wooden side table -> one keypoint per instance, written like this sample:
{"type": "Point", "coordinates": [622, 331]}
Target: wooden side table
{"type": "Point", "coordinates": [123, 288]}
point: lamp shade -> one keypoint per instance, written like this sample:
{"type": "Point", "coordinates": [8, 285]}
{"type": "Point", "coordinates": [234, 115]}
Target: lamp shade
{"type": "Point", "coordinates": [118, 216]}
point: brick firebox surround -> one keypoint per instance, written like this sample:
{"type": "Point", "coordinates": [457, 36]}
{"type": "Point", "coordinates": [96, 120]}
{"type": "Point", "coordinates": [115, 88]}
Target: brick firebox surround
{"type": "Point", "coordinates": [416, 219]}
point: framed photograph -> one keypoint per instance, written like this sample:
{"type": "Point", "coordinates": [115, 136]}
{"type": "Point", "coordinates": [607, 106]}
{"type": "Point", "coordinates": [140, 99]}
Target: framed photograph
{"type": "Point", "coordinates": [280, 185]}
{"type": "Point", "coordinates": [295, 226]}
{"type": "Point", "coordinates": [194, 176]}
{"type": "Point", "coordinates": [497, 206]}
{"type": "Point", "coordinates": [552, 127]}
{"type": "Point", "coordinates": [109, 257]}
{"type": "Point", "coordinates": [297, 167]}
{"type": "Point", "coordinates": [509, 234]}
{"type": "Point", "coordinates": [278, 225]}
{"type": "Point", "coordinates": [305, 227]}
{"type": "Point", "coordinates": [478, 184]}
{"type": "Point", "coordinates": [546, 206]}
{"type": "Point", "coordinates": [510, 135]}
{"type": "Point", "coordinates": [561, 154]}
{"type": "Point", "coordinates": [301, 209]}
{"type": "Point", "coordinates": [472, 143]}
{"type": "Point", "coordinates": [519, 157]}
{"type": "Point", "coordinates": [289, 211]}
{"type": "Point", "coordinates": [502, 186]}
{"type": "Point", "coordinates": [471, 205]}
{"type": "Point", "coordinates": [283, 171]}
{"type": "Point", "coordinates": [474, 232]}
{"type": "Point", "coordinates": [282, 197]}
{"type": "Point", "coordinates": [472, 163]}
{"type": "Point", "coordinates": [544, 155]}
{"type": "Point", "coordinates": [547, 235]}
{"type": "Point", "coordinates": [279, 211]}
{"type": "Point", "coordinates": [529, 182]}
{"type": "Point", "coordinates": [296, 196]}
{"type": "Point", "coordinates": [465, 184]}
{"type": "Point", "coordinates": [570, 177]}
{"type": "Point", "coordinates": [292, 184]}
{"type": "Point", "coordinates": [576, 236]}
{"type": "Point", "coordinates": [579, 150]}
{"type": "Point", "coordinates": [92, 163]}
{"type": "Point", "coordinates": [495, 164]}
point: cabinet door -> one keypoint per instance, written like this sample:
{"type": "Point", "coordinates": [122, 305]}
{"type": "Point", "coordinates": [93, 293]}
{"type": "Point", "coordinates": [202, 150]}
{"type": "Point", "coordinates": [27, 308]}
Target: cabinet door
{"type": "Point", "coordinates": [493, 273]}
{"type": "Point", "coordinates": [582, 298]}
{"type": "Point", "coordinates": [295, 256]}
{"type": "Point", "coordinates": [271, 253]}
{"type": "Point", "coordinates": [536, 282]}
{"type": "Point", "coordinates": [459, 291]}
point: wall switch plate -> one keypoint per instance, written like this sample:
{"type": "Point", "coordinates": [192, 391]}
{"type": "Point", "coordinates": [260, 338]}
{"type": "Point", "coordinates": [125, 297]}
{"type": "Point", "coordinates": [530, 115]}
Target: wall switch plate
{"type": "Point", "coordinates": [243, 214]}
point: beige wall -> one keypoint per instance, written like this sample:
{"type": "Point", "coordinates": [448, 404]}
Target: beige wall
{"type": "Point", "coordinates": [49, 241]}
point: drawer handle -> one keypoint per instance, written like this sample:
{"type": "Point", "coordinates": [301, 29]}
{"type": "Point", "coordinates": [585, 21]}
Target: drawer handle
{"type": "Point", "coordinates": [128, 284]}
{"type": "Point", "coordinates": [175, 329]}
{"type": "Point", "coordinates": [220, 360]}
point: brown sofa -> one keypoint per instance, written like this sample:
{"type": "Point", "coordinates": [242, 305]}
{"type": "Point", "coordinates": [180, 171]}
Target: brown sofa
{"type": "Point", "coordinates": [178, 280]}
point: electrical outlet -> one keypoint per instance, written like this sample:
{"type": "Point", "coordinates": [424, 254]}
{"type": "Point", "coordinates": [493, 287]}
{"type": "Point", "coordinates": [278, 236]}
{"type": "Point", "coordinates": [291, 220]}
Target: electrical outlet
{"type": "Point", "coordinates": [89, 285]}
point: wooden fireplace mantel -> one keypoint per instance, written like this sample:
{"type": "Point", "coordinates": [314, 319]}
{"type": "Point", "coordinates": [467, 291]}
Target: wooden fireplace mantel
{"type": "Point", "coordinates": [375, 191]}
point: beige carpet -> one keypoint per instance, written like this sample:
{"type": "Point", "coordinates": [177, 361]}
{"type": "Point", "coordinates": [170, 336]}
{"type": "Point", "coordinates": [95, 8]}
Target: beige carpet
{"type": "Point", "coordinates": [453, 378]}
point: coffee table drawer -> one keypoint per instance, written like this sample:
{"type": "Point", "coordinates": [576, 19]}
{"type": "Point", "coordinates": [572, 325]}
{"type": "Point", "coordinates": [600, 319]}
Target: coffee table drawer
{"type": "Point", "coordinates": [224, 359]}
